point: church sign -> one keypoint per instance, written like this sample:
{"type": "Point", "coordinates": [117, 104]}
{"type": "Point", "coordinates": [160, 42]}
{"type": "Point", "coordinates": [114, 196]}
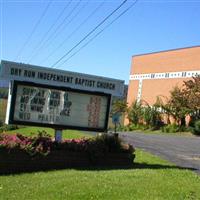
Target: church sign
{"type": "Point", "coordinates": [49, 76]}
{"type": "Point", "coordinates": [58, 107]}
{"type": "Point", "coordinates": [59, 99]}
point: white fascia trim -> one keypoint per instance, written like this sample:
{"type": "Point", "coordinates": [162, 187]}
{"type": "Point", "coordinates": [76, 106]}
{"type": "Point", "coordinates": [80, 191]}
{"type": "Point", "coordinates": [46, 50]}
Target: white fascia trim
{"type": "Point", "coordinates": [165, 75]}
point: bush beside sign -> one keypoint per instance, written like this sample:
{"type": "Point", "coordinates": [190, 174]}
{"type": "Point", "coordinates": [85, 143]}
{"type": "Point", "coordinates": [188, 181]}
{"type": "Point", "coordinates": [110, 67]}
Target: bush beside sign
{"type": "Point", "coordinates": [20, 153]}
{"type": "Point", "coordinates": [18, 161]}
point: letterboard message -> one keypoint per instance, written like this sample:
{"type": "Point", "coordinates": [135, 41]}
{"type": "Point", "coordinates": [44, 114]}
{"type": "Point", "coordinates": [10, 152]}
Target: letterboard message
{"type": "Point", "coordinates": [44, 105]}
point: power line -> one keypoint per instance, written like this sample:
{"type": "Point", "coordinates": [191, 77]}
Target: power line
{"type": "Point", "coordinates": [45, 42]}
{"type": "Point", "coordinates": [34, 29]}
{"type": "Point", "coordinates": [50, 28]}
{"type": "Point", "coordinates": [85, 37]}
{"type": "Point", "coordinates": [74, 31]}
{"type": "Point", "coordinates": [70, 21]}
{"type": "Point", "coordinates": [96, 35]}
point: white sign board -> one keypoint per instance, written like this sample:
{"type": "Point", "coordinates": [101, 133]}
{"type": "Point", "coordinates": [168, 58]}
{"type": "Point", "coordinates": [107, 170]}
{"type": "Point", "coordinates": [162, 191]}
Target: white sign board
{"type": "Point", "coordinates": [57, 107]}
{"type": "Point", "coordinates": [24, 72]}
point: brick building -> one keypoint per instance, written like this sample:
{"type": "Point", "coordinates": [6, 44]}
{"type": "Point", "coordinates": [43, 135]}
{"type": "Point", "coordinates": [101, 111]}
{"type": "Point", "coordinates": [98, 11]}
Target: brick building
{"type": "Point", "coordinates": [155, 74]}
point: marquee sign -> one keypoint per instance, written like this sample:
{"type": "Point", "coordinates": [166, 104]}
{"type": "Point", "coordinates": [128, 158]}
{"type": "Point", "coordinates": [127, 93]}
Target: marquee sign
{"type": "Point", "coordinates": [43, 75]}
{"type": "Point", "coordinates": [58, 107]}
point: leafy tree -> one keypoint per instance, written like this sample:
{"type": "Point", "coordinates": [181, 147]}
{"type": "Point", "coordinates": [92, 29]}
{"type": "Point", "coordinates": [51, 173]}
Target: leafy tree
{"type": "Point", "coordinates": [152, 116]}
{"type": "Point", "coordinates": [183, 101]}
{"type": "Point", "coordinates": [191, 91]}
{"type": "Point", "coordinates": [175, 105]}
{"type": "Point", "coordinates": [163, 103]}
{"type": "Point", "coordinates": [135, 113]}
{"type": "Point", "coordinates": [179, 105]}
{"type": "Point", "coordinates": [119, 106]}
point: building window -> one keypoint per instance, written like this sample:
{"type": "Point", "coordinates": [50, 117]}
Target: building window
{"type": "Point", "coordinates": [183, 74]}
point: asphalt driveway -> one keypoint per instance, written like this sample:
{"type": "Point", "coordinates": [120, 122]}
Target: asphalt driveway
{"type": "Point", "coordinates": [183, 151]}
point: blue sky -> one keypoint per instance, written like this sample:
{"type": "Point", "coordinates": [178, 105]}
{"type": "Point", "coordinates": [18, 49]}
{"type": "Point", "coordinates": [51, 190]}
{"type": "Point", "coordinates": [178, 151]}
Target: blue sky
{"type": "Point", "coordinates": [150, 26]}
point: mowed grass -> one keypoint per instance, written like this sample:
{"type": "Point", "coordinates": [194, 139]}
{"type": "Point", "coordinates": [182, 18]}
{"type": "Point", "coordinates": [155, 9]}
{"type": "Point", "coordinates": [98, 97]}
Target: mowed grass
{"type": "Point", "coordinates": [150, 179]}
{"type": "Point", "coordinates": [33, 131]}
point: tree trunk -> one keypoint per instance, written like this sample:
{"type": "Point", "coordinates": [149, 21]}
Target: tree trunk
{"type": "Point", "coordinates": [183, 122]}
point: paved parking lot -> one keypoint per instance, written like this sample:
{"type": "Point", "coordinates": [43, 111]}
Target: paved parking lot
{"type": "Point", "coordinates": [184, 151]}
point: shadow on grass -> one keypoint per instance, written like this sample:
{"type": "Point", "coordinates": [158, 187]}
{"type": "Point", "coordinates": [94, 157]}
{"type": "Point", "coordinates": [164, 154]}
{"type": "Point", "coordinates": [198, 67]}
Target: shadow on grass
{"type": "Point", "coordinates": [104, 168]}
{"type": "Point", "coordinates": [158, 166]}
{"type": "Point", "coordinates": [136, 166]}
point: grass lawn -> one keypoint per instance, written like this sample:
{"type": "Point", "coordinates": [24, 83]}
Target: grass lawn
{"type": "Point", "coordinates": [3, 105]}
{"type": "Point", "coordinates": [32, 131]}
{"type": "Point", "coordinates": [151, 178]}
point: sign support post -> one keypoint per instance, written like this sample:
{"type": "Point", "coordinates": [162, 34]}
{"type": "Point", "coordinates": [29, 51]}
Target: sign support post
{"type": "Point", "coordinates": [115, 121]}
{"type": "Point", "coordinates": [58, 135]}
{"type": "Point", "coordinates": [115, 127]}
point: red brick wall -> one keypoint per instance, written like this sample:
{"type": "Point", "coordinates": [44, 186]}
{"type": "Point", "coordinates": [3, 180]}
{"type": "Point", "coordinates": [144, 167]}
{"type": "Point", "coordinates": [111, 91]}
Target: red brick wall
{"type": "Point", "coordinates": [170, 61]}
{"type": "Point", "coordinates": [187, 59]}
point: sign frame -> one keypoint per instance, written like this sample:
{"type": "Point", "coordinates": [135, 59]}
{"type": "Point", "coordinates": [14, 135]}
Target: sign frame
{"type": "Point", "coordinates": [14, 86]}
{"type": "Point", "coordinates": [50, 76]}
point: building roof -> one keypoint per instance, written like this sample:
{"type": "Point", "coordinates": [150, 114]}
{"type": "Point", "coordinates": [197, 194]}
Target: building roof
{"type": "Point", "coordinates": [165, 51]}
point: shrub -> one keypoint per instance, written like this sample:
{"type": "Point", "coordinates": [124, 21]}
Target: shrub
{"type": "Point", "coordinates": [123, 128]}
{"type": "Point", "coordinates": [76, 145]}
{"type": "Point", "coordinates": [133, 127]}
{"type": "Point", "coordinates": [152, 117]}
{"type": "Point", "coordinates": [112, 143]}
{"type": "Point", "coordinates": [196, 128]}
{"type": "Point", "coordinates": [36, 145]}
{"type": "Point", "coordinates": [135, 112]}
{"type": "Point", "coordinates": [5, 128]}
{"type": "Point", "coordinates": [170, 128]}
{"type": "Point", "coordinates": [43, 144]}
{"type": "Point", "coordinates": [142, 127]}
{"type": "Point", "coordinates": [1, 123]}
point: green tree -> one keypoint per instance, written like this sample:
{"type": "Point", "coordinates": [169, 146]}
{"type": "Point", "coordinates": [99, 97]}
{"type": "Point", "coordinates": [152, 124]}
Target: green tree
{"type": "Point", "coordinates": [179, 105]}
{"type": "Point", "coordinates": [163, 103]}
{"type": "Point", "coordinates": [135, 113]}
{"type": "Point", "coordinates": [152, 116]}
{"type": "Point", "coordinates": [182, 101]}
{"type": "Point", "coordinates": [191, 92]}
{"type": "Point", "coordinates": [119, 106]}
